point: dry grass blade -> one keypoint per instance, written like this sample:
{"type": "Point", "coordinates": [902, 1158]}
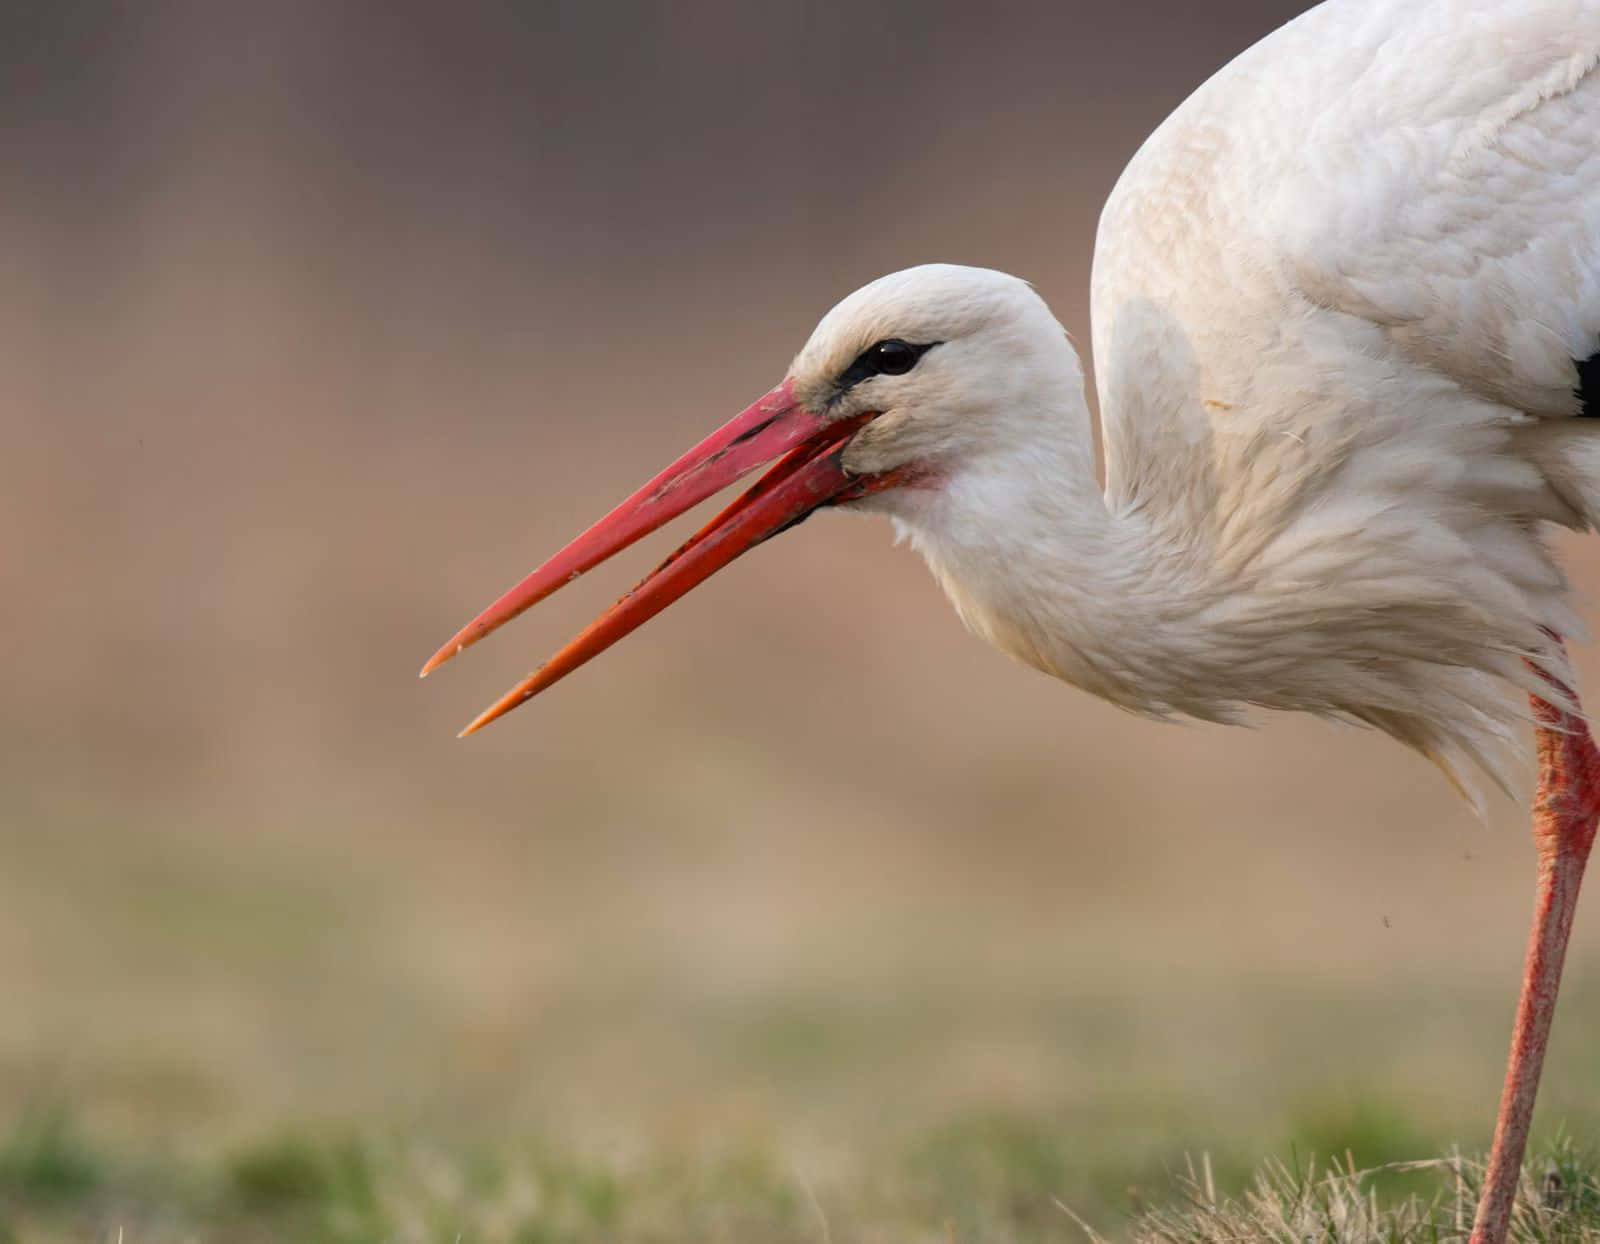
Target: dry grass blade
{"type": "Point", "coordinates": [1303, 1204]}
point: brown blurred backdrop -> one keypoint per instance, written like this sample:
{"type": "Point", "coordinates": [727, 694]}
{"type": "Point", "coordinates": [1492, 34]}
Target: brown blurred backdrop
{"type": "Point", "coordinates": [321, 322]}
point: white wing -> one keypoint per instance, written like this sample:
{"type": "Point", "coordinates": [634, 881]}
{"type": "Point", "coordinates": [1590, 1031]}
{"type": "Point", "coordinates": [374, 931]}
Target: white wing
{"type": "Point", "coordinates": [1376, 187]}
{"type": "Point", "coordinates": [1342, 302]}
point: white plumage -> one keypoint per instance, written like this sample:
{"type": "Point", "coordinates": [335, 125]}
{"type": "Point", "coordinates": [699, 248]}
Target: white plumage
{"type": "Point", "coordinates": [1339, 298]}
{"type": "Point", "coordinates": [1339, 301]}
{"type": "Point", "coordinates": [1347, 330]}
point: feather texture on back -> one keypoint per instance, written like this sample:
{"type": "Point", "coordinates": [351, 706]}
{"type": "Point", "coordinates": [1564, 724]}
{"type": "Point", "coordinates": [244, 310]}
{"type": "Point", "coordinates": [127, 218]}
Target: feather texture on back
{"type": "Point", "coordinates": [1341, 300]}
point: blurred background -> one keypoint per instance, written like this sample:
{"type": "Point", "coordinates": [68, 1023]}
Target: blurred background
{"type": "Point", "coordinates": [320, 323]}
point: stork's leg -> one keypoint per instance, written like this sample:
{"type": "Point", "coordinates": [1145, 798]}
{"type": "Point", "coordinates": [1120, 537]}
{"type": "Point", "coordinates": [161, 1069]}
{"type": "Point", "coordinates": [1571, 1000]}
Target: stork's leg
{"type": "Point", "coordinates": [1565, 807]}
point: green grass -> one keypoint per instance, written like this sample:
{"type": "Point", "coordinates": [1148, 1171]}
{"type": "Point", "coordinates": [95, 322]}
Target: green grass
{"type": "Point", "coordinates": [331, 1190]}
{"type": "Point", "coordinates": [991, 1181]}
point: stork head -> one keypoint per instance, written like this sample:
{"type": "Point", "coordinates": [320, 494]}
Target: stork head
{"type": "Point", "coordinates": [938, 361]}
{"type": "Point", "coordinates": [902, 387]}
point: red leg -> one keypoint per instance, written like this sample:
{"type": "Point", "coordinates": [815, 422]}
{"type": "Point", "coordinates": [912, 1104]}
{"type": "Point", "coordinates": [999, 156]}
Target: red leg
{"type": "Point", "coordinates": [1565, 808]}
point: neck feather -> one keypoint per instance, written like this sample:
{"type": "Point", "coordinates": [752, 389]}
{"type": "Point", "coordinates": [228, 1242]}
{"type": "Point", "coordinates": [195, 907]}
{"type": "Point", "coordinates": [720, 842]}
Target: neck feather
{"type": "Point", "coordinates": [1149, 616]}
{"type": "Point", "coordinates": [1036, 563]}
{"type": "Point", "coordinates": [1048, 574]}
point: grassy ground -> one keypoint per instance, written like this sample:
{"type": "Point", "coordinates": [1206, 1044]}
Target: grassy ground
{"type": "Point", "coordinates": [322, 1033]}
{"type": "Point", "coordinates": [1300, 1204]}
{"type": "Point", "coordinates": [54, 1185]}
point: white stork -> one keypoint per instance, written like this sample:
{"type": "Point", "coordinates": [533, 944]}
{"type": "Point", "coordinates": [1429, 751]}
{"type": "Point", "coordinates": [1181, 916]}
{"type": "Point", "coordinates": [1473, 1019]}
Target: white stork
{"type": "Point", "coordinates": [1347, 324]}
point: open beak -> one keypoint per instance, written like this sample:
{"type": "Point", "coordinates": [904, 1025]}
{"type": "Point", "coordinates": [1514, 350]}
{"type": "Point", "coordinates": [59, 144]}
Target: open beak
{"type": "Point", "coordinates": [808, 475]}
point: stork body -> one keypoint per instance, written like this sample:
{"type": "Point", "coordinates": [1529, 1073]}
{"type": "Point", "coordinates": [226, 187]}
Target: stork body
{"type": "Point", "coordinates": [1341, 298]}
{"type": "Point", "coordinates": [1347, 327]}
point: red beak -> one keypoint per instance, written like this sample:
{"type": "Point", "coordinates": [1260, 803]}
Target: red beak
{"type": "Point", "coordinates": [809, 475]}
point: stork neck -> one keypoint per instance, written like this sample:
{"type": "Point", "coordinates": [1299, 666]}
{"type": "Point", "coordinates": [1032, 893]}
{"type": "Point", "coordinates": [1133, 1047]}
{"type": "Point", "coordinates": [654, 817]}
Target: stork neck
{"type": "Point", "coordinates": [1037, 564]}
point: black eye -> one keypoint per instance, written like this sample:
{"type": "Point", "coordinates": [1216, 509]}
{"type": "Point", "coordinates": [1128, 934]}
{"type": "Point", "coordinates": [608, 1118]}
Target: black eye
{"type": "Point", "coordinates": [889, 357]}
{"type": "Point", "coordinates": [893, 358]}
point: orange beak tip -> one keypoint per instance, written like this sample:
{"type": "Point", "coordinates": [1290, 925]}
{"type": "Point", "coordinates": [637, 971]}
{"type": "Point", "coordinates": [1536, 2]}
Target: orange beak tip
{"type": "Point", "coordinates": [439, 658]}
{"type": "Point", "coordinates": [476, 724]}
{"type": "Point", "coordinates": [515, 698]}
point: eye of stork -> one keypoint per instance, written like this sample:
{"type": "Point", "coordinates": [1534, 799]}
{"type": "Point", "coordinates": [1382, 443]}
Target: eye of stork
{"type": "Point", "coordinates": [889, 357]}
